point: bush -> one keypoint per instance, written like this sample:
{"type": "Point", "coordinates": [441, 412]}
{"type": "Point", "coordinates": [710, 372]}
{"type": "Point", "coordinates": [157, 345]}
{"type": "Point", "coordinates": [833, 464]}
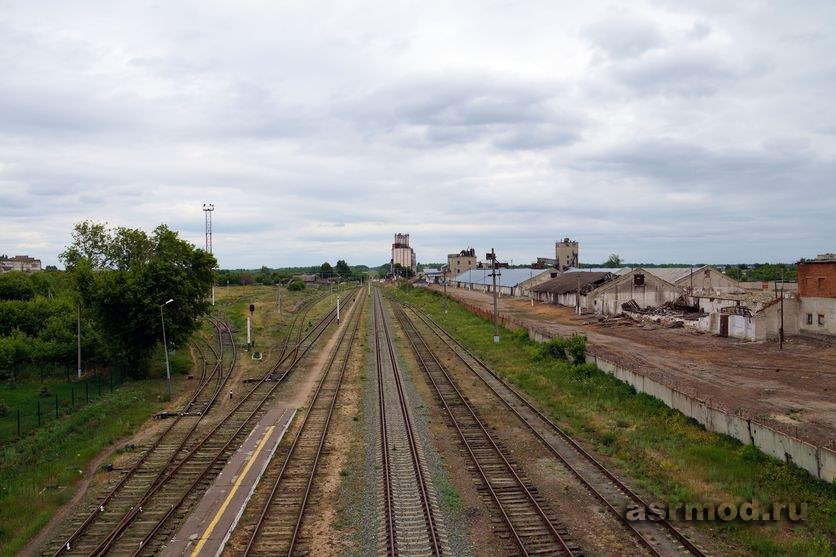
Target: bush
{"type": "Point", "coordinates": [576, 347]}
{"type": "Point", "coordinates": [554, 348]}
{"type": "Point", "coordinates": [565, 348]}
{"type": "Point", "coordinates": [296, 285]}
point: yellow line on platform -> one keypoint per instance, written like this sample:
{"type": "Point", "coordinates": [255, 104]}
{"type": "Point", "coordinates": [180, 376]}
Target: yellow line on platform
{"type": "Point", "coordinates": [232, 492]}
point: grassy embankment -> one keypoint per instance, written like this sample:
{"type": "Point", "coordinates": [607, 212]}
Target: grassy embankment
{"type": "Point", "coordinates": [672, 459]}
{"type": "Point", "coordinates": [40, 472]}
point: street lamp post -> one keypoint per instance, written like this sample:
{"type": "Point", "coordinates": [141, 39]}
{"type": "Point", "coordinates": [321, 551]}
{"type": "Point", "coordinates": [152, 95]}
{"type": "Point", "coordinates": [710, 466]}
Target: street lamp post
{"type": "Point", "coordinates": [165, 347]}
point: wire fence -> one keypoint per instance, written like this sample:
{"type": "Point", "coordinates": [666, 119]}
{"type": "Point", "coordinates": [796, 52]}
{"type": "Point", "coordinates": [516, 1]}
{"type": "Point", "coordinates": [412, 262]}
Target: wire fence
{"type": "Point", "coordinates": [31, 401]}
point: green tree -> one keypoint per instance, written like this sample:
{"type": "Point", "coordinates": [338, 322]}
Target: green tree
{"type": "Point", "coordinates": [124, 275]}
{"type": "Point", "coordinates": [343, 269]}
{"type": "Point", "coordinates": [16, 286]}
{"type": "Point", "coordinates": [613, 262]}
{"type": "Point", "coordinates": [325, 270]}
{"type": "Point", "coordinates": [734, 273]}
{"type": "Point", "coordinates": [401, 271]}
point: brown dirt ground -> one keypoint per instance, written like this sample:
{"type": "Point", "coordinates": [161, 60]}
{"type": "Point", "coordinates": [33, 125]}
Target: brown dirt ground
{"type": "Point", "coordinates": [318, 530]}
{"type": "Point", "coordinates": [793, 389]}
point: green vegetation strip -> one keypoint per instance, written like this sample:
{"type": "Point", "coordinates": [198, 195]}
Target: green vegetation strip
{"type": "Point", "coordinates": [39, 472]}
{"type": "Point", "coordinates": [673, 459]}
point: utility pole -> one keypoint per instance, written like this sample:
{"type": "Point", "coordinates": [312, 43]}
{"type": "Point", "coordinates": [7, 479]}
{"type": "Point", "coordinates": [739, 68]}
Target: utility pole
{"type": "Point", "coordinates": [165, 347]}
{"type": "Point", "coordinates": [250, 340]}
{"type": "Point", "coordinates": [691, 291]}
{"type": "Point", "coordinates": [781, 329]}
{"type": "Point", "coordinates": [492, 257]}
{"type": "Point", "coordinates": [530, 287]}
{"type": "Point", "coordinates": [338, 310]}
{"type": "Point", "coordinates": [445, 295]}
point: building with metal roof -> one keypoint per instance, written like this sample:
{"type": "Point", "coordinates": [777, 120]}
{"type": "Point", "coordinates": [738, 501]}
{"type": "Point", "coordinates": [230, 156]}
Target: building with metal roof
{"type": "Point", "coordinates": [571, 289]}
{"type": "Point", "coordinates": [509, 282]}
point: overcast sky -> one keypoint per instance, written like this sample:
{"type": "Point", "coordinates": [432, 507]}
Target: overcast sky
{"type": "Point", "coordinates": [663, 131]}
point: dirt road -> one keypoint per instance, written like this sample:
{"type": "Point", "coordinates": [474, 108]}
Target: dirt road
{"type": "Point", "coordinates": [793, 389]}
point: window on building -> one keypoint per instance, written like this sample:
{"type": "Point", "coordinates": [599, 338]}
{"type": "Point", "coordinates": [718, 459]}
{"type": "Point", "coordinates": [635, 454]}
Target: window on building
{"type": "Point", "coordinates": [820, 282]}
{"type": "Point", "coordinates": [809, 318]}
{"type": "Point", "coordinates": [638, 280]}
{"type": "Point", "coordinates": [821, 319]}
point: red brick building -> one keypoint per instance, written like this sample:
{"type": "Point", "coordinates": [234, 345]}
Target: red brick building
{"type": "Point", "coordinates": [817, 294]}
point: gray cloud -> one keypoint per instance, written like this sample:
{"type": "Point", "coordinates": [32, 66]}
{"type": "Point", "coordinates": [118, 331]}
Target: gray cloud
{"type": "Point", "coordinates": [666, 132]}
{"type": "Point", "coordinates": [480, 108]}
{"type": "Point", "coordinates": [624, 37]}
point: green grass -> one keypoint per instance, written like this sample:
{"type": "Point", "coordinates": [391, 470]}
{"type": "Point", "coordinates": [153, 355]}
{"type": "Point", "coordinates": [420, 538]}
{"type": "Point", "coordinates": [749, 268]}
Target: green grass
{"type": "Point", "coordinates": [672, 458]}
{"type": "Point", "coordinates": [38, 473]}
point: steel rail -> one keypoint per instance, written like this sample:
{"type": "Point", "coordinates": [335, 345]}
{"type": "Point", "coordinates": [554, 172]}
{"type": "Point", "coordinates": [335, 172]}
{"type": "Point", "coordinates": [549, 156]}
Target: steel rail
{"type": "Point", "coordinates": [670, 528]}
{"type": "Point", "coordinates": [410, 432]}
{"type": "Point", "coordinates": [321, 326]}
{"type": "Point", "coordinates": [302, 428]}
{"type": "Point", "coordinates": [125, 522]}
{"type": "Point", "coordinates": [388, 498]}
{"type": "Point", "coordinates": [412, 334]}
{"type": "Point", "coordinates": [104, 503]}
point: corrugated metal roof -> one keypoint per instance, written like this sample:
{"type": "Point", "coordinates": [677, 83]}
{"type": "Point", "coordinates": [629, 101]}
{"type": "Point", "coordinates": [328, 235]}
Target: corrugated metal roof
{"type": "Point", "coordinates": [671, 274]}
{"type": "Point", "coordinates": [568, 282]}
{"type": "Point", "coordinates": [506, 277]}
{"type": "Point", "coordinates": [615, 271]}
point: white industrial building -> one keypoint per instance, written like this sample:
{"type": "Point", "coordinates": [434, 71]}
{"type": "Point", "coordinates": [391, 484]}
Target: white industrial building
{"type": "Point", "coordinates": [402, 254]}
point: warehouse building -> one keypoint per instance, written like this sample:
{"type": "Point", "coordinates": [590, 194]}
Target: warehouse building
{"type": "Point", "coordinates": [509, 282]}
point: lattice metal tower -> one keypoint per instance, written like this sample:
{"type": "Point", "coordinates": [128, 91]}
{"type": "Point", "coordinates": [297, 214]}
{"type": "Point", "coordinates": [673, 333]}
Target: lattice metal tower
{"type": "Point", "coordinates": [207, 211]}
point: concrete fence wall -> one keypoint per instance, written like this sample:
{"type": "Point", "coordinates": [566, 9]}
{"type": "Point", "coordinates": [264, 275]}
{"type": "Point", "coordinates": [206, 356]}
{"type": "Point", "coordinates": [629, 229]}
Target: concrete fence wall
{"type": "Point", "coordinates": [820, 461]}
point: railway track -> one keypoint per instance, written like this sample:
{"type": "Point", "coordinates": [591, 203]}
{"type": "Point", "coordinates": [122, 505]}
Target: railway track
{"type": "Point", "coordinates": [659, 537]}
{"type": "Point", "coordinates": [530, 523]}
{"type": "Point", "coordinates": [163, 452]}
{"type": "Point", "coordinates": [285, 488]}
{"type": "Point", "coordinates": [411, 520]}
{"type": "Point", "coordinates": [151, 509]}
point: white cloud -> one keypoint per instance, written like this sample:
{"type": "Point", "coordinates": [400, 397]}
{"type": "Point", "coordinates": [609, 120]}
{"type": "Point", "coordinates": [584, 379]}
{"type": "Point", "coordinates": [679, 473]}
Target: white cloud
{"type": "Point", "coordinates": [663, 132]}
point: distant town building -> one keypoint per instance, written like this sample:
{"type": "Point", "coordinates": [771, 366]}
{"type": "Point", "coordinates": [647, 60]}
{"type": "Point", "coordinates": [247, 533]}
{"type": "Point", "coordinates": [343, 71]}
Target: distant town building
{"type": "Point", "coordinates": [458, 263]}
{"type": "Point", "coordinates": [19, 263]}
{"type": "Point", "coordinates": [402, 254]}
{"type": "Point", "coordinates": [817, 295]}
{"type": "Point", "coordinates": [567, 254]}
{"type": "Point", "coordinates": [433, 276]}
{"type": "Point", "coordinates": [543, 263]}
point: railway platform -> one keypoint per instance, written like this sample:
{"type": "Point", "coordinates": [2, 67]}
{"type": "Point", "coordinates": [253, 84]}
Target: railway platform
{"type": "Point", "coordinates": [207, 529]}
